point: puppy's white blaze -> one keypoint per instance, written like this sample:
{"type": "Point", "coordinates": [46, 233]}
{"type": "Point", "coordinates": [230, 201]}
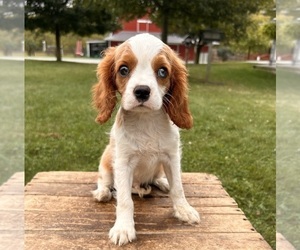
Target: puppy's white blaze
{"type": "Point", "coordinates": [145, 47]}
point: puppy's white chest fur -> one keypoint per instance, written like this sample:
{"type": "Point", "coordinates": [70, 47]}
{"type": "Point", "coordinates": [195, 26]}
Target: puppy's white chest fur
{"type": "Point", "coordinates": [146, 140]}
{"type": "Point", "coordinates": [146, 133]}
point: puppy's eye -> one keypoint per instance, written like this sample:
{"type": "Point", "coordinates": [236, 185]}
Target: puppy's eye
{"type": "Point", "coordinates": [124, 70]}
{"type": "Point", "coordinates": [162, 72]}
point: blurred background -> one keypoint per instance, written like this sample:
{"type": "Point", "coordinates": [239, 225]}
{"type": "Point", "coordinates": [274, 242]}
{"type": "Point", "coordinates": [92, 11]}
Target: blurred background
{"type": "Point", "coordinates": [85, 28]}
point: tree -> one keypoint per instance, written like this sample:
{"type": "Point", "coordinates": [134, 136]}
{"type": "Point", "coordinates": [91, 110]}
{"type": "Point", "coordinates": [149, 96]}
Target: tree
{"type": "Point", "coordinates": [258, 35]}
{"type": "Point", "coordinates": [64, 16]}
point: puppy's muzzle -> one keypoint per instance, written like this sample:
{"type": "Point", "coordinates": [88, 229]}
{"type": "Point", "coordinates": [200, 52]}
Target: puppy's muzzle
{"type": "Point", "coordinates": [142, 93]}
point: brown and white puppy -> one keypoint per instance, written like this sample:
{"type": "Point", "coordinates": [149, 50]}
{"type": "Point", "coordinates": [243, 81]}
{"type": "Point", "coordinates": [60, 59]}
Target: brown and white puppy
{"type": "Point", "coordinates": [144, 142]}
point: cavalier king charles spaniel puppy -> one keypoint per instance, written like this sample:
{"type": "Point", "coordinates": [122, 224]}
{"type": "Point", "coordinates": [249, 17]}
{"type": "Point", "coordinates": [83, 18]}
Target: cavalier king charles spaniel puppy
{"type": "Point", "coordinates": [144, 147]}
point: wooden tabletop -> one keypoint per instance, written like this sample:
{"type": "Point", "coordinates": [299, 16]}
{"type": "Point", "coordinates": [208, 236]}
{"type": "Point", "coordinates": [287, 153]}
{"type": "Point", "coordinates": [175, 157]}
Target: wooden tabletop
{"type": "Point", "coordinates": [60, 213]}
{"type": "Point", "coordinates": [12, 213]}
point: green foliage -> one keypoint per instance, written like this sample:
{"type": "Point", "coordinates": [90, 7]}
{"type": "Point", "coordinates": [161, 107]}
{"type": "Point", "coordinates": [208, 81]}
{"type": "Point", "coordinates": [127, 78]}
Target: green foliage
{"type": "Point", "coordinates": [233, 135]}
{"type": "Point", "coordinates": [269, 30]}
{"type": "Point", "coordinates": [70, 16]}
{"type": "Point", "coordinates": [257, 36]}
{"type": "Point", "coordinates": [230, 16]}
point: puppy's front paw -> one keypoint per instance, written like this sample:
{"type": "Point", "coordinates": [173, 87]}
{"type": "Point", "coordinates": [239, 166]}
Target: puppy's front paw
{"type": "Point", "coordinates": [187, 214]}
{"type": "Point", "coordinates": [122, 233]}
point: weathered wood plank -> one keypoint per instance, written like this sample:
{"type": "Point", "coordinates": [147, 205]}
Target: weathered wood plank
{"type": "Point", "coordinates": [95, 241]}
{"type": "Point", "coordinates": [12, 240]}
{"type": "Point", "coordinates": [12, 187]}
{"type": "Point", "coordinates": [60, 213]}
{"type": "Point", "coordinates": [11, 220]}
{"type": "Point", "coordinates": [66, 177]}
{"type": "Point", "coordinates": [57, 203]}
{"type": "Point", "coordinates": [11, 202]}
{"type": "Point", "coordinates": [145, 205]}
{"type": "Point", "coordinates": [155, 222]}
{"type": "Point", "coordinates": [282, 243]}
{"type": "Point", "coordinates": [84, 190]}
{"type": "Point", "coordinates": [91, 177]}
{"type": "Point", "coordinates": [194, 201]}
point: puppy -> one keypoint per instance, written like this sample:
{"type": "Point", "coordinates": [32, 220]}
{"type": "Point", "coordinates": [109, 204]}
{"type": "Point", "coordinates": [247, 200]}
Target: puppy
{"type": "Point", "coordinates": [144, 142]}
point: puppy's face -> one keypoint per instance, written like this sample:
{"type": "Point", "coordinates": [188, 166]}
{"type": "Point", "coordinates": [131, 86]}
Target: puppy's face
{"type": "Point", "coordinates": [148, 75]}
{"type": "Point", "coordinates": [142, 73]}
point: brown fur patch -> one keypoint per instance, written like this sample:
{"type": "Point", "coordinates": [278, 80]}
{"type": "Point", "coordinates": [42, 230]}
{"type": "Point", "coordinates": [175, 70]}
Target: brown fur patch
{"type": "Point", "coordinates": [176, 99]}
{"type": "Point", "coordinates": [124, 57]}
{"type": "Point", "coordinates": [106, 159]}
{"type": "Point", "coordinates": [104, 92]}
{"type": "Point", "coordinates": [161, 61]}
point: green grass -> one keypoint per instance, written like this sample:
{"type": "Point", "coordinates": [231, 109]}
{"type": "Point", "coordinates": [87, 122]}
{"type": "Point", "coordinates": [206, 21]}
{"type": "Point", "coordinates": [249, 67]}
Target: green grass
{"type": "Point", "coordinates": [11, 118]}
{"type": "Point", "coordinates": [233, 135]}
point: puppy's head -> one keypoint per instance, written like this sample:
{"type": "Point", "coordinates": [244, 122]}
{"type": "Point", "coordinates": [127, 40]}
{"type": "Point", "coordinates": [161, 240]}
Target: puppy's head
{"type": "Point", "coordinates": [148, 75]}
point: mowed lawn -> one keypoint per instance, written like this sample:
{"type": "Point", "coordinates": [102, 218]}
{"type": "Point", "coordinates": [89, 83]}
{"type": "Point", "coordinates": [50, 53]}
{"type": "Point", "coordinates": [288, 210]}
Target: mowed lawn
{"type": "Point", "coordinates": [233, 135]}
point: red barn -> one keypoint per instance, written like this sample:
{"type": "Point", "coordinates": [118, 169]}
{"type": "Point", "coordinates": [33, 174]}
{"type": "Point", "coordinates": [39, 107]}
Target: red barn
{"type": "Point", "coordinates": [145, 25]}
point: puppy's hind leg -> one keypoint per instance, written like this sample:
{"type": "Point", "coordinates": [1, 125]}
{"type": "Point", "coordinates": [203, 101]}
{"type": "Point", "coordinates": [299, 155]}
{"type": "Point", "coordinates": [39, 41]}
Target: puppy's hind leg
{"type": "Point", "coordinates": [141, 190]}
{"type": "Point", "coordinates": [105, 180]}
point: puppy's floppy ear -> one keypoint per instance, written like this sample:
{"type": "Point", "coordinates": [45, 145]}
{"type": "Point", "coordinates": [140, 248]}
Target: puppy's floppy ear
{"type": "Point", "coordinates": [104, 92]}
{"type": "Point", "coordinates": [176, 99]}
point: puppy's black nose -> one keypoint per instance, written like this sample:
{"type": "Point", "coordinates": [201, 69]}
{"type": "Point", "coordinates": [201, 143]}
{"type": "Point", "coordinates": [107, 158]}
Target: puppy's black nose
{"type": "Point", "coordinates": [142, 93]}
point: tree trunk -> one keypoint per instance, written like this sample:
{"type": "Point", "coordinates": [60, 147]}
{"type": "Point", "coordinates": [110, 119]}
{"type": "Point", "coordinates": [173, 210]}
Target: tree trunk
{"type": "Point", "coordinates": [57, 43]}
{"type": "Point", "coordinates": [197, 53]}
{"type": "Point", "coordinates": [249, 53]}
{"type": "Point", "coordinates": [164, 31]}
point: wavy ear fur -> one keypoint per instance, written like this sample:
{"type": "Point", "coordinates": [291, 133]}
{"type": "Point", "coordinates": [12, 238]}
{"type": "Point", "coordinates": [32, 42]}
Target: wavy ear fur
{"type": "Point", "coordinates": [104, 92]}
{"type": "Point", "coordinates": [176, 99]}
